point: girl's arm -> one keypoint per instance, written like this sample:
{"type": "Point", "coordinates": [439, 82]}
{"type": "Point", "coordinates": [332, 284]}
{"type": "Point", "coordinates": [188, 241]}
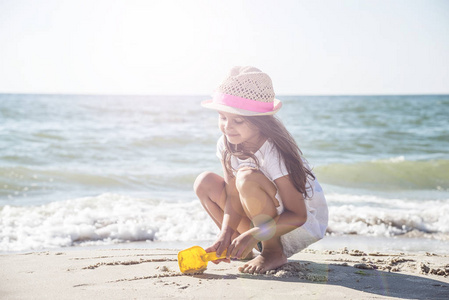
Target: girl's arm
{"type": "Point", "coordinates": [231, 217]}
{"type": "Point", "coordinates": [295, 211]}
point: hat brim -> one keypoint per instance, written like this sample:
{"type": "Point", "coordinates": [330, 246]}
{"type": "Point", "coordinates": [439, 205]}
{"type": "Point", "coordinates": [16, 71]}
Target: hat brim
{"type": "Point", "coordinates": [277, 104]}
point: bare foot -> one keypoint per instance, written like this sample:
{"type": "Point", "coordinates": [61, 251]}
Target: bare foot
{"type": "Point", "coordinates": [266, 261]}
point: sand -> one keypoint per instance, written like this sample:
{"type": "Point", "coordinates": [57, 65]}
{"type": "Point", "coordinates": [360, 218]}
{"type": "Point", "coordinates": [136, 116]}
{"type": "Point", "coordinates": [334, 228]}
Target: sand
{"type": "Point", "coordinates": [154, 274]}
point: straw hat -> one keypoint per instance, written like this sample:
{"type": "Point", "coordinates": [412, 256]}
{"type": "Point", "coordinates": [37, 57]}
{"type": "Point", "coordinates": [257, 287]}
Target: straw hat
{"type": "Point", "coordinates": [246, 91]}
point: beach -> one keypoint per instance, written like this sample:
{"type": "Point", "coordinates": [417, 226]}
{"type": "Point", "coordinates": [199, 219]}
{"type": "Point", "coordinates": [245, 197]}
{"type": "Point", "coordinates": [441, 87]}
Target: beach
{"type": "Point", "coordinates": [105, 136]}
{"type": "Point", "coordinates": [96, 198]}
{"type": "Point", "coordinates": [154, 274]}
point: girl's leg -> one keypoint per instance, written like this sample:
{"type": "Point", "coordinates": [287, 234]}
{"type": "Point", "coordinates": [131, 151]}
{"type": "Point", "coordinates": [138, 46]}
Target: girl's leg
{"type": "Point", "coordinates": [258, 197]}
{"type": "Point", "coordinates": [210, 189]}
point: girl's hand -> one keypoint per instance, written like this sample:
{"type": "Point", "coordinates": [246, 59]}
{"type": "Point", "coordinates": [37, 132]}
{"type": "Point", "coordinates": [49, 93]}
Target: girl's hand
{"type": "Point", "coordinates": [220, 245]}
{"type": "Point", "coordinates": [242, 245]}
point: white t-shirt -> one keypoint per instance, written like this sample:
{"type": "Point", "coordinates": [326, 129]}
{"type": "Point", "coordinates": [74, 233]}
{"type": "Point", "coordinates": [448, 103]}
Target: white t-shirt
{"type": "Point", "coordinates": [267, 155]}
{"type": "Point", "coordinates": [273, 168]}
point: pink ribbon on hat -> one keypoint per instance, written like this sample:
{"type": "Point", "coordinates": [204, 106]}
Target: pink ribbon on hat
{"type": "Point", "coordinates": [242, 103]}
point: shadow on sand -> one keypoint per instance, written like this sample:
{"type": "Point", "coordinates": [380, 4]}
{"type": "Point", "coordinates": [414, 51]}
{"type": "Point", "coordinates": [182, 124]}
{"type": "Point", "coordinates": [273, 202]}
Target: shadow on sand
{"type": "Point", "coordinates": [382, 283]}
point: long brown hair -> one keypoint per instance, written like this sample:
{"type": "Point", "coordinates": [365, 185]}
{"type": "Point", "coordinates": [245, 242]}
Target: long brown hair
{"type": "Point", "coordinates": [272, 128]}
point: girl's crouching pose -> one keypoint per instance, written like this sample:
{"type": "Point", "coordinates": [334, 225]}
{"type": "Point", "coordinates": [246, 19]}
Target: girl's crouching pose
{"type": "Point", "coordinates": [269, 198]}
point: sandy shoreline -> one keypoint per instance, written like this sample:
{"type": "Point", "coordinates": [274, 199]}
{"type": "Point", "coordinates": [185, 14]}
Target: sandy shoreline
{"type": "Point", "coordinates": [154, 274]}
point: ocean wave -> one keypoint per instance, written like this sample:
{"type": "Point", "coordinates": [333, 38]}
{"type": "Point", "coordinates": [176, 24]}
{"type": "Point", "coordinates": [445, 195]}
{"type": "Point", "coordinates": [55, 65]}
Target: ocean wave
{"type": "Point", "coordinates": [104, 219]}
{"type": "Point", "coordinates": [23, 181]}
{"type": "Point", "coordinates": [18, 181]}
{"type": "Point", "coordinates": [114, 218]}
{"type": "Point", "coordinates": [376, 216]}
{"type": "Point", "coordinates": [392, 174]}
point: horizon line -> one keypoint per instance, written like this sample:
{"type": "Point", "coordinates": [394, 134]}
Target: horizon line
{"type": "Point", "coordinates": [205, 95]}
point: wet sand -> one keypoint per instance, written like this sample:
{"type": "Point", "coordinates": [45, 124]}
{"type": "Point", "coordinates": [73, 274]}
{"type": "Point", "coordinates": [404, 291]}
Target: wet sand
{"type": "Point", "coordinates": [154, 274]}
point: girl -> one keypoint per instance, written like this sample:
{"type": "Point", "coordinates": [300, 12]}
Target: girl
{"type": "Point", "coordinates": [268, 197]}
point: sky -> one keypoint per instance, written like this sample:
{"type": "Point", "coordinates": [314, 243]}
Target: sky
{"type": "Point", "coordinates": [319, 47]}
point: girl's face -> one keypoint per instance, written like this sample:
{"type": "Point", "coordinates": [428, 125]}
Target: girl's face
{"type": "Point", "coordinates": [237, 130]}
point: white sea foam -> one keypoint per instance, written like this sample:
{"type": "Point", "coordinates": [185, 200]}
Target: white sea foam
{"type": "Point", "coordinates": [371, 215]}
{"type": "Point", "coordinates": [105, 219]}
{"type": "Point", "coordinates": [113, 218]}
{"type": "Point", "coordinates": [396, 159]}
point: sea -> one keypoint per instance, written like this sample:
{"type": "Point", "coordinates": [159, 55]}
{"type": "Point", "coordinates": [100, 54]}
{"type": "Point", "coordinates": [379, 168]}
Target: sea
{"type": "Point", "coordinates": [117, 171]}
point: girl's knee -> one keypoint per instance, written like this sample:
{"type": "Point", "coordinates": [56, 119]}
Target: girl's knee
{"type": "Point", "coordinates": [246, 176]}
{"type": "Point", "coordinates": [247, 179]}
{"type": "Point", "coordinates": [209, 186]}
{"type": "Point", "coordinates": [201, 181]}
{"type": "Point", "coordinates": [205, 182]}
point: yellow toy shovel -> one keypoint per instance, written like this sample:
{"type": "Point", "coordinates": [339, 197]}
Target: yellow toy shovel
{"type": "Point", "coordinates": [195, 259]}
